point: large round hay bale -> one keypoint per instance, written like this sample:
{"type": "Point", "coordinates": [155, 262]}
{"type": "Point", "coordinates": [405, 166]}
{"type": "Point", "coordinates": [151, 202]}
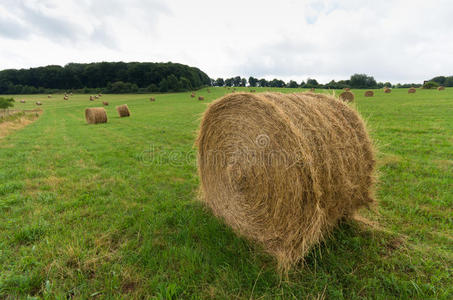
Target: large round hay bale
{"type": "Point", "coordinates": [347, 96]}
{"type": "Point", "coordinates": [105, 103]}
{"type": "Point", "coordinates": [38, 103]}
{"type": "Point", "coordinates": [411, 90]}
{"type": "Point", "coordinates": [95, 115]}
{"type": "Point", "coordinates": [387, 90]}
{"type": "Point", "coordinates": [369, 94]}
{"type": "Point", "coordinates": [123, 110]}
{"type": "Point", "coordinates": [201, 98]}
{"type": "Point", "coordinates": [22, 101]}
{"type": "Point", "coordinates": [441, 88]}
{"type": "Point", "coordinates": [283, 169]}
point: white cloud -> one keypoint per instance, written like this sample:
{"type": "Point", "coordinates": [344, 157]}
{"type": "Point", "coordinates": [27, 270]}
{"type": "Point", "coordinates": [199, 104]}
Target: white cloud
{"type": "Point", "coordinates": [400, 41]}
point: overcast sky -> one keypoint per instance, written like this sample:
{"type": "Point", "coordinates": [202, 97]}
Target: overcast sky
{"type": "Point", "coordinates": [397, 41]}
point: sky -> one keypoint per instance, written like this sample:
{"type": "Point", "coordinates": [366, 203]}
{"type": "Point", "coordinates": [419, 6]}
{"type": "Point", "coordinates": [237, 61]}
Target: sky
{"type": "Point", "coordinates": [396, 41]}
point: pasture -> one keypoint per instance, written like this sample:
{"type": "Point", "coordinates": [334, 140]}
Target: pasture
{"type": "Point", "coordinates": [111, 211]}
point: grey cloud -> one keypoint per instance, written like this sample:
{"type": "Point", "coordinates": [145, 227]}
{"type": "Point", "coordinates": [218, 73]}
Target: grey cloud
{"type": "Point", "coordinates": [12, 29]}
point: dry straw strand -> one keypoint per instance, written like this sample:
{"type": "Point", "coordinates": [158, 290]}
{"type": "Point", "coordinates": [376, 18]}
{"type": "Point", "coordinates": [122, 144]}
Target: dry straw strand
{"type": "Point", "coordinates": [347, 96]}
{"type": "Point", "coordinates": [95, 115]}
{"type": "Point", "coordinates": [283, 169]}
{"type": "Point", "coordinates": [369, 94]}
{"type": "Point", "coordinates": [123, 111]}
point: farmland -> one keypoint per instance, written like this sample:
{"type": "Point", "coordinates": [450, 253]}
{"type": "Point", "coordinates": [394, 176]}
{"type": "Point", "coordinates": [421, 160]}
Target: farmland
{"type": "Point", "coordinates": [111, 210]}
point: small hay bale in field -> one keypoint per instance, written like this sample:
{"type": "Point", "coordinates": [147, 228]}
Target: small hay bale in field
{"type": "Point", "coordinates": [369, 94]}
{"type": "Point", "coordinates": [91, 98]}
{"type": "Point", "coordinates": [123, 111]}
{"type": "Point", "coordinates": [192, 95]}
{"type": "Point", "coordinates": [38, 103]}
{"type": "Point", "coordinates": [65, 98]}
{"type": "Point", "coordinates": [441, 88]}
{"type": "Point", "coordinates": [95, 115]}
{"type": "Point", "coordinates": [49, 96]}
{"type": "Point", "coordinates": [201, 98]}
{"type": "Point", "coordinates": [152, 99]}
{"type": "Point", "coordinates": [284, 169]}
{"type": "Point", "coordinates": [99, 95]}
{"type": "Point", "coordinates": [22, 101]}
{"type": "Point", "coordinates": [346, 89]}
{"type": "Point", "coordinates": [105, 103]}
{"type": "Point", "coordinates": [346, 96]}
{"type": "Point", "coordinates": [387, 90]}
{"type": "Point", "coordinates": [411, 90]}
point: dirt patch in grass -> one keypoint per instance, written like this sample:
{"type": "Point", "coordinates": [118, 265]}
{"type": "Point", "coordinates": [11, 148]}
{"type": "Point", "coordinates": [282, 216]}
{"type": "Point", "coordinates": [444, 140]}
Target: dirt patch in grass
{"type": "Point", "coordinates": [18, 122]}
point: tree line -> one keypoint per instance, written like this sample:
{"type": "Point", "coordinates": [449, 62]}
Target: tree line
{"type": "Point", "coordinates": [356, 81]}
{"type": "Point", "coordinates": [108, 77]}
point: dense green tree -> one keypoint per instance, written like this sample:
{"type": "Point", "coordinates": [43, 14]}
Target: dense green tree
{"type": "Point", "coordinates": [229, 81]}
{"type": "Point", "coordinates": [430, 85]}
{"type": "Point", "coordinates": [237, 81]}
{"type": "Point", "coordinates": [219, 82]}
{"type": "Point", "coordinates": [163, 86]}
{"type": "Point", "coordinates": [362, 81]}
{"type": "Point", "coordinates": [263, 82]}
{"type": "Point", "coordinates": [292, 84]}
{"type": "Point", "coordinates": [243, 82]}
{"type": "Point", "coordinates": [6, 103]}
{"type": "Point", "coordinates": [253, 81]}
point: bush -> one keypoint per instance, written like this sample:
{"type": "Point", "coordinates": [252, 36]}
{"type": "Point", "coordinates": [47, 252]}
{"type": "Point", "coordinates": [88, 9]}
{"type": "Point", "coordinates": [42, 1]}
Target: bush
{"type": "Point", "coordinates": [430, 85]}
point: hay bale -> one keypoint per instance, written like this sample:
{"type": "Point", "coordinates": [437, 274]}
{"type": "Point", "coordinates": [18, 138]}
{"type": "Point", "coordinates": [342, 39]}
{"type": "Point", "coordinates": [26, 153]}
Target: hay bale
{"type": "Point", "coordinates": [411, 90]}
{"type": "Point", "coordinates": [96, 97]}
{"type": "Point", "coordinates": [192, 95]}
{"type": "Point", "coordinates": [201, 98]}
{"type": "Point", "coordinates": [283, 169]}
{"type": "Point", "coordinates": [152, 99]}
{"type": "Point", "coordinates": [38, 103]}
{"type": "Point", "coordinates": [441, 88]}
{"type": "Point", "coordinates": [369, 94]}
{"type": "Point", "coordinates": [49, 96]}
{"type": "Point", "coordinates": [22, 101]}
{"type": "Point", "coordinates": [387, 90]}
{"type": "Point", "coordinates": [99, 95]}
{"type": "Point", "coordinates": [123, 111]}
{"type": "Point", "coordinates": [91, 98]}
{"type": "Point", "coordinates": [105, 103]}
{"type": "Point", "coordinates": [95, 115]}
{"type": "Point", "coordinates": [346, 96]}
{"type": "Point", "coordinates": [65, 98]}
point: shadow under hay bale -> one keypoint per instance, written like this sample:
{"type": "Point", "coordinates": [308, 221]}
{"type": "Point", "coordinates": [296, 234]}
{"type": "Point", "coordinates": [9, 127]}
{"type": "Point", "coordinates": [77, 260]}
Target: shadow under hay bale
{"type": "Point", "coordinates": [346, 96]}
{"type": "Point", "coordinates": [284, 182]}
{"type": "Point", "coordinates": [95, 115]}
{"type": "Point", "coordinates": [411, 90]}
{"type": "Point", "coordinates": [369, 94]}
{"type": "Point", "coordinates": [123, 111]}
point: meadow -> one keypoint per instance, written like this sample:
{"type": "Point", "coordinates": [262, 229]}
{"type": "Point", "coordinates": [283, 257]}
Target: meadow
{"type": "Point", "coordinates": [111, 210]}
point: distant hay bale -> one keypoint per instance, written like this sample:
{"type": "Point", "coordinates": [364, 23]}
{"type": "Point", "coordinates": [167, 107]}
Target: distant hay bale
{"type": "Point", "coordinates": [369, 94]}
{"type": "Point", "coordinates": [22, 101]}
{"type": "Point", "coordinates": [123, 110]}
{"type": "Point", "coordinates": [49, 96]}
{"type": "Point", "coordinates": [192, 95]}
{"type": "Point", "coordinates": [346, 96]}
{"type": "Point", "coordinates": [441, 88]}
{"type": "Point", "coordinates": [99, 95]}
{"type": "Point", "coordinates": [284, 169]}
{"type": "Point", "coordinates": [152, 99]}
{"type": "Point", "coordinates": [91, 98]}
{"type": "Point", "coordinates": [96, 97]}
{"type": "Point", "coordinates": [65, 98]}
{"type": "Point", "coordinates": [387, 90]}
{"type": "Point", "coordinates": [347, 89]}
{"type": "Point", "coordinates": [105, 103]}
{"type": "Point", "coordinates": [38, 103]}
{"type": "Point", "coordinates": [411, 90]}
{"type": "Point", "coordinates": [95, 115]}
{"type": "Point", "coordinates": [201, 98]}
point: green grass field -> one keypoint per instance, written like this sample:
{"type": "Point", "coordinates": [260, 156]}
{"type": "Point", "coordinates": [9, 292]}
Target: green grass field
{"type": "Point", "coordinates": [111, 211]}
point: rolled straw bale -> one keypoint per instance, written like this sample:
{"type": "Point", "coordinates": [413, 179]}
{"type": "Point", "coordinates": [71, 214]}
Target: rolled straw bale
{"type": "Point", "coordinates": [91, 98]}
{"type": "Point", "coordinates": [95, 115]}
{"type": "Point", "coordinates": [123, 110]}
{"type": "Point", "coordinates": [192, 95]}
{"type": "Point", "coordinates": [96, 97]}
{"type": "Point", "coordinates": [38, 103]}
{"type": "Point", "coordinates": [369, 94]}
{"type": "Point", "coordinates": [347, 96]}
{"type": "Point", "coordinates": [283, 169]}
{"type": "Point", "coordinates": [201, 98]}
{"type": "Point", "coordinates": [22, 101]}
{"type": "Point", "coordinates": [105, 103]}
{"type": "Point", "coordinates": [387, 90]}
{"type": "Point", "coordinates": [152, 99]}
{"type": "Point", "coordinates": [441, 88]}
{"type": "Point", "coordinates": [49, 96]}
{"type": "Point", "coordinates": [411, 90]}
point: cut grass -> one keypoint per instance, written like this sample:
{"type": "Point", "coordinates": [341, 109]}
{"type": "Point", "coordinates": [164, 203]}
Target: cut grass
{"type": "Point", "coordinates": [110, 210]}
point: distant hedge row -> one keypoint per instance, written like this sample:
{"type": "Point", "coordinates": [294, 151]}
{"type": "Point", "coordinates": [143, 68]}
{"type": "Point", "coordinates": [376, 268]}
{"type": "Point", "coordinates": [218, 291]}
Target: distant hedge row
{"type": "Point", "coordinates": [114, 77]}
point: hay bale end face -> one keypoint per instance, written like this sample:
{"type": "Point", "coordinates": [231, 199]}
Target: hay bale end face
{"type": "Point", "coordinates": [95, 115]}
{"type": "Point", "coordinates": [284, 182]}
{"type": "Point", "coordinates": [369, 94]}
{"type": "Point", "coordinates": [346, 96]}
{"type": "Point", "coordinates": [411, 90]}
{"type": "Point", "coordinates": [123, 111]}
